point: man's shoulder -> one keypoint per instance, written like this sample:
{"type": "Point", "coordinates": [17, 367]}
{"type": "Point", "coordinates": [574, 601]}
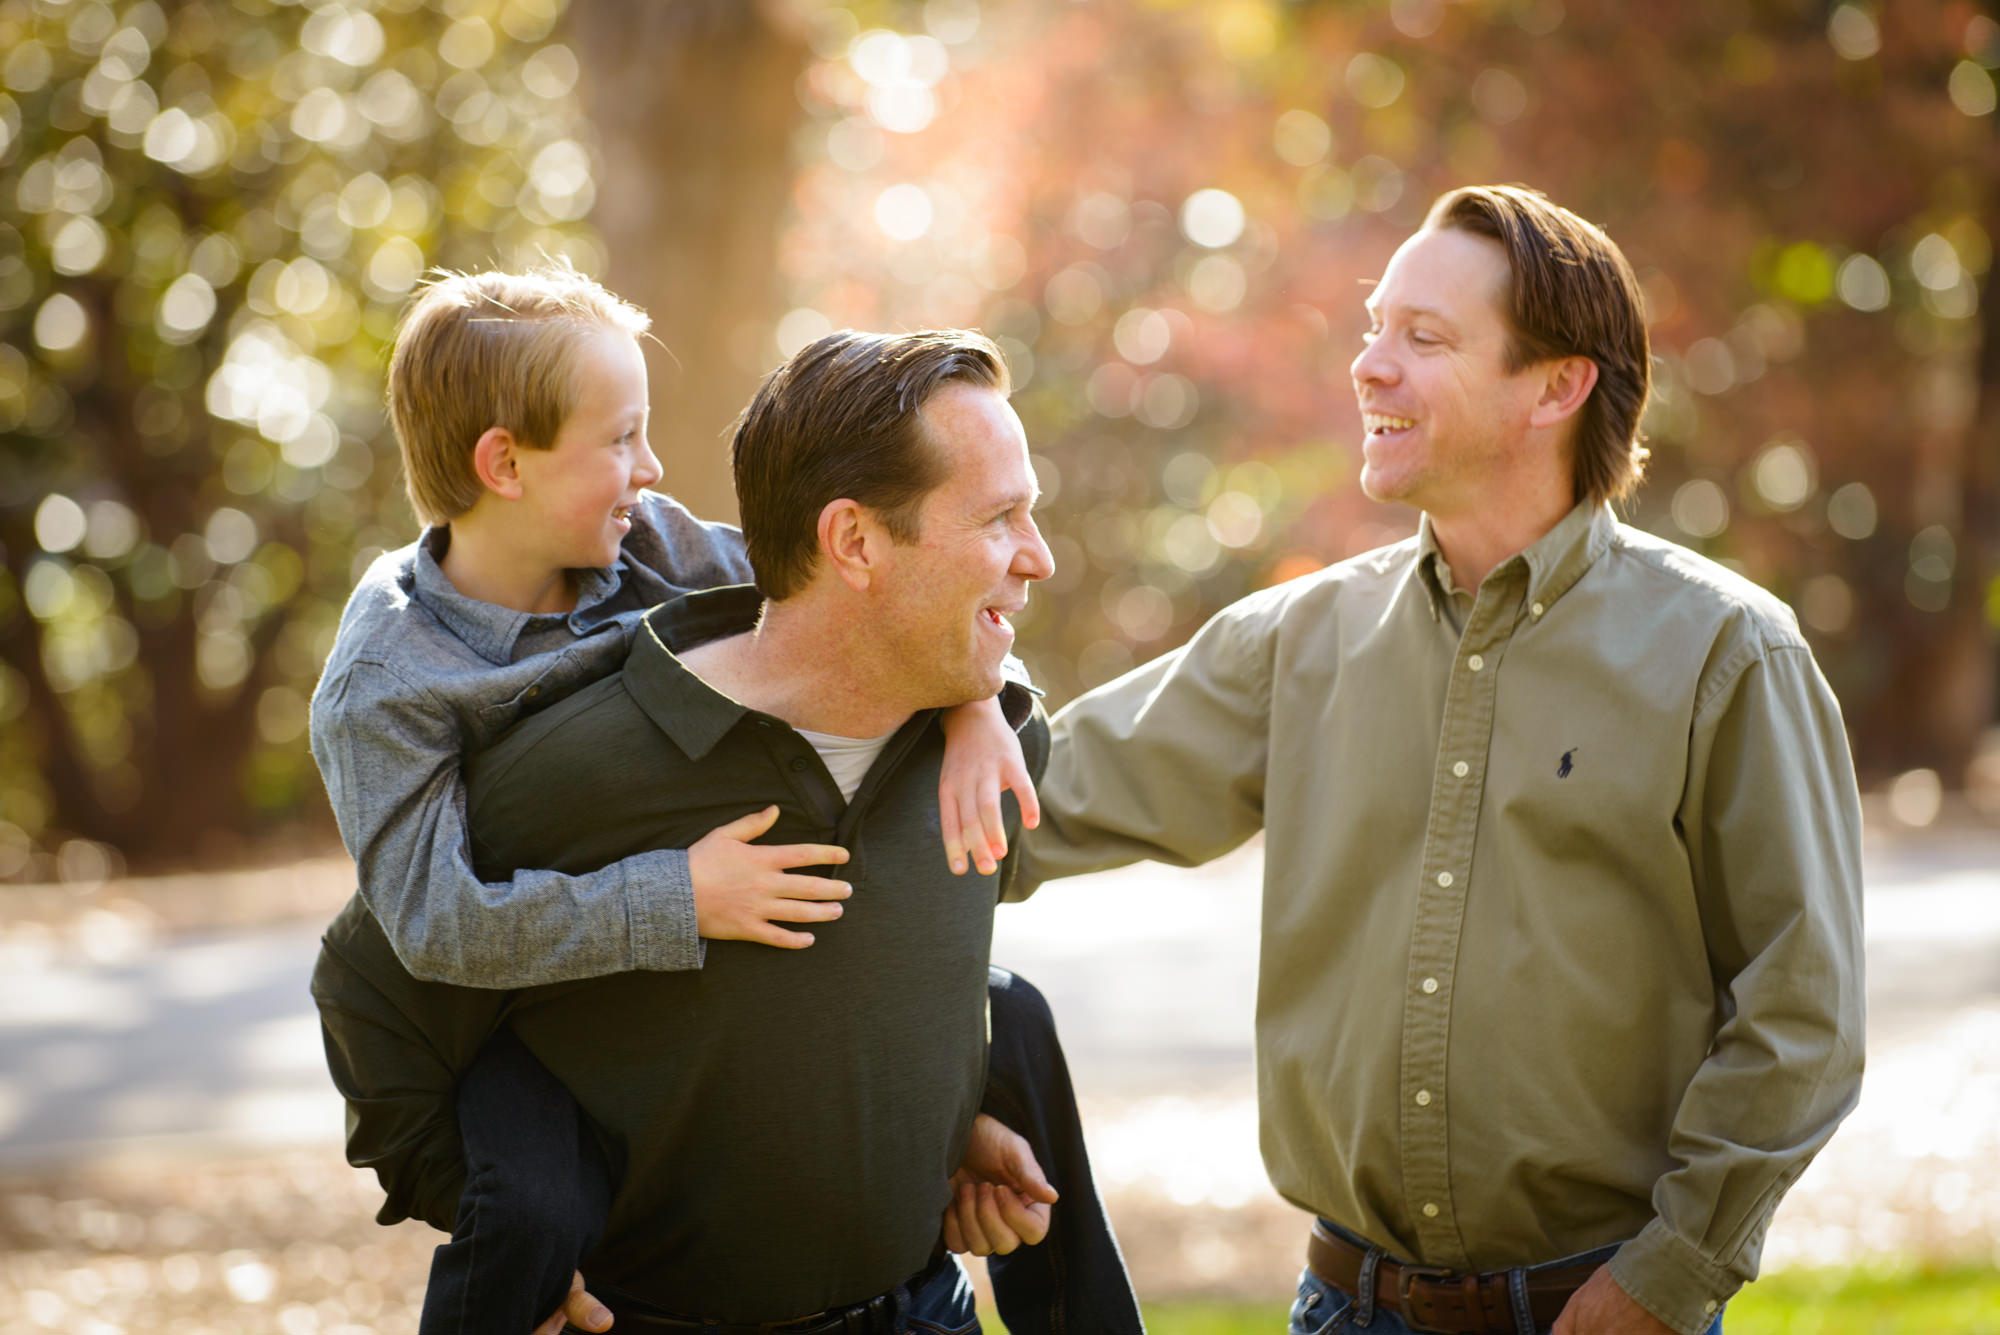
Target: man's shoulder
{"type": "Point", "coordinates": [1314, 595]}
{"type": "Point", "coordinates": [567, 732]}
{"type": "Point", "coordinates": [1675, 585]}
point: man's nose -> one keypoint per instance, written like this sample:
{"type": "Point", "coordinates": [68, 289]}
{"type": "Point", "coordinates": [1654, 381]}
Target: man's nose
{"type": "Point", "coordinates": [1033, 560]}
{"type": "Point", "coordinates": [1373, 365]}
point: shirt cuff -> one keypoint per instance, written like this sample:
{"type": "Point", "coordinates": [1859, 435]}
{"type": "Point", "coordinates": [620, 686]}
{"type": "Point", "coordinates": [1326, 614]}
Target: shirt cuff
{"type": "Point", "coordinates": [659, 899]}
{"type": "Point", "coordinates": [1673, 1281]}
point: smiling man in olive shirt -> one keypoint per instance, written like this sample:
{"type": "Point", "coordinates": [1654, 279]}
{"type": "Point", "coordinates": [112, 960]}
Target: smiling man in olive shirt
{"type": "Point", "coordinates": [1561, 974]}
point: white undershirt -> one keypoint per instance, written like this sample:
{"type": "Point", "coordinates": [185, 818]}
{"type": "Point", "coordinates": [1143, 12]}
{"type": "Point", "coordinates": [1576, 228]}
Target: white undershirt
{"type": "Point", "coordinates": [847, 758]}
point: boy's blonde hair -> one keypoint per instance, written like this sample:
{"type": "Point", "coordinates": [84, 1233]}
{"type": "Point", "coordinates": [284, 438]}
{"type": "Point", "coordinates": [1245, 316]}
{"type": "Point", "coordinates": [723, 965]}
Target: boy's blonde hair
{"type": "Point", "coordinates": [482, 350]}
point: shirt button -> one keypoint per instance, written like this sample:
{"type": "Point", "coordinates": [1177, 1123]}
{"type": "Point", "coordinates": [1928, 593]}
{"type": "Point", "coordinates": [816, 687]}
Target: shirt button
{"type": "Point", "coordinates": [534, 691]}
{"type": "Point", "coordinates": [1430, 984]}
{"type": "Point", "coordinates": [1708, 1308]}
{"type": "Point", "coordinates": [1475, 662]}
{"type": "Point", "coordinates": [798, 764]}
{"type": "Point", "coordinates": [1423, 1098]}
{"type": "Point", "coordinates": [1444, 879]}
{"type": "Point", "coordinates": [1536, 610]}
{"type": "Point", "coordinates": [1461, 769]}
{"type": "Point", "coordinates": [1430, 1210]}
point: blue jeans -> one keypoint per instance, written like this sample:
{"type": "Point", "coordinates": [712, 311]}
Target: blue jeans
{"type": "Point", "coordinates": [1322, 1309]}
{"type": "Point", "coordinates": [942, 1304]}
{"type": "Point", "coordinates": [537, 1190]}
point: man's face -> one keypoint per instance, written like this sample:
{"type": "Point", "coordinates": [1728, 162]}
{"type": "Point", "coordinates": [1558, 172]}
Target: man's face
{"type": "Point", "coordinates": [946, 596]}
{"type": "Point", "coordinates": [1442, 417]}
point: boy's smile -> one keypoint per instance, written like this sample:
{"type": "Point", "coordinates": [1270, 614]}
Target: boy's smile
{"type": "Point", "coordinates": [577, 497]}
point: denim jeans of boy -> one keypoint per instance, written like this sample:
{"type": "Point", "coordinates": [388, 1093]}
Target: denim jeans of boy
{"type": "Point", "coordinates": [537, 1189]}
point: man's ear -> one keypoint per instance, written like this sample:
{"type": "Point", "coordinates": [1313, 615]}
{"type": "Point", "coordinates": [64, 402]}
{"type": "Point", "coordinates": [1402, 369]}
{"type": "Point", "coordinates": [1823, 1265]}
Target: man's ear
{"type": "Point", "coordinates": [1566, 384]}
{"type": "Point", "coordinates": [851, 539]}
{"type": "Point", "coordinates": [494, 463]}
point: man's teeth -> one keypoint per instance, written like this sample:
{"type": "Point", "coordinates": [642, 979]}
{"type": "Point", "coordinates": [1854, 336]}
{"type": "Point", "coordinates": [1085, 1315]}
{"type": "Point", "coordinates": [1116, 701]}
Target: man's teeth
{"type": "Point", "coordinates": [1374, 422]}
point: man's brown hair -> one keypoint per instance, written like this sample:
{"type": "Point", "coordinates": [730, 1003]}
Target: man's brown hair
{"type": "Point", "coordinates": [840, 420]}
{"type": "Point", "coordinates": [481, 350]}
{"type": "Point", "coordinates": [1571, 294]}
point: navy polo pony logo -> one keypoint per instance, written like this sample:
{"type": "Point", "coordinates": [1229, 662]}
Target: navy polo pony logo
{"type": "Point", "coordinates": [1563, 769]}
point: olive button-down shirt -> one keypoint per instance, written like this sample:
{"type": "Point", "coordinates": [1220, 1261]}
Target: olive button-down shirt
{"type": "Point", "coordinates": [1562, 898]}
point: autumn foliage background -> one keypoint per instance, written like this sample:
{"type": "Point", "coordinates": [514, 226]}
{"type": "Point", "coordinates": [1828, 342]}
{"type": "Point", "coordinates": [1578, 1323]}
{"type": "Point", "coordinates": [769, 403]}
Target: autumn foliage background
{"type": "Point", "coordinates": [211, 213]}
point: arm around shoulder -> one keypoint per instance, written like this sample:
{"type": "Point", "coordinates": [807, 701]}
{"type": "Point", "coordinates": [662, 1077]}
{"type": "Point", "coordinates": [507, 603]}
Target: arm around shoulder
{"type": "Point", "coordinates": [1167, 762]}
{"type": "Point", "coordinates": [391, 756]}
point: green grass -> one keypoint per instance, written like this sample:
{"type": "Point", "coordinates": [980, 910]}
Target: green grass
{"type": "Point", "coordinates": [1962, 1301]}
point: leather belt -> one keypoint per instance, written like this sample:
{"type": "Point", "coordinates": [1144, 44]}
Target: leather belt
{"type": "Point", "coordinates": [1447, 1302]}
{"type": "Point", "coordinates": [877, 1316]}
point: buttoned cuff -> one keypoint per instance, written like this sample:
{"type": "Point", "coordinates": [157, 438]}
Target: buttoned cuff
{"type": "Point", "coordinates": [659, 900]}
{"type": "Point", "coordinates": [1670, 1279]}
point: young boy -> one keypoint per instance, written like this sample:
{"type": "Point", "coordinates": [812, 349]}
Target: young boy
{"type": "Point", "coordinates": [519, 403]}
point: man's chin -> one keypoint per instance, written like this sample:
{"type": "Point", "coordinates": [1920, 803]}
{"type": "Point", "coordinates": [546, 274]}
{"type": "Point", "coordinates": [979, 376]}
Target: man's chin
{"type": "Point", "coordinates": [1386, 488]}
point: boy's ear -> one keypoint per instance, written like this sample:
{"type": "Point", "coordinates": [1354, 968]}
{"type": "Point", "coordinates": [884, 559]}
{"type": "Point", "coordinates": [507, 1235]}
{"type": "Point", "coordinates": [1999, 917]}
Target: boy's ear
{"type": "Point", "coordinates": [851, 540]}
{"type": "Point", "coordinates": [493, 460]}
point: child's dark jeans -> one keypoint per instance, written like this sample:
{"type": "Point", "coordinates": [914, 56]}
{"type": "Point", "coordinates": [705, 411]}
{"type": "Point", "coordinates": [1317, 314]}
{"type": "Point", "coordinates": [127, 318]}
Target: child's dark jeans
{"type": "Point", "coordinates": [537, 1189]}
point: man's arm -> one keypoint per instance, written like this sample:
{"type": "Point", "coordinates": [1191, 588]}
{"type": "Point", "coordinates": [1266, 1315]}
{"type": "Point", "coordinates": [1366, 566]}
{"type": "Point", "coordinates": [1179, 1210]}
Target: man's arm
{"type": "Point", "coordinates": [396, 1047]}
{"type": "Point", "coordinates": [1165, 763]}
{"type": "Point", "coordinates": [1773, 827]}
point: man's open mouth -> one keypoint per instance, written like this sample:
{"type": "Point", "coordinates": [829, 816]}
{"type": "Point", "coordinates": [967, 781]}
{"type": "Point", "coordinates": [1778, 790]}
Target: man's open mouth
{"type": "Point", "coordinates": [1385, 424]}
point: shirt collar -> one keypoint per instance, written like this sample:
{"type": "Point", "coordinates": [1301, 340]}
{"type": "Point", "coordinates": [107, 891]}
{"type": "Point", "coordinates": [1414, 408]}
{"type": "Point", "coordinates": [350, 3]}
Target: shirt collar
{"type": "Point", "coordinates": [693, 714]}
{"type": "Point", "coordinates": [1555, 561]}
{"type": "Point", "coordinates": [489, 628]}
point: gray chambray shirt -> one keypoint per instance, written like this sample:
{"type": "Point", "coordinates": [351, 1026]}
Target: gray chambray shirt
{"type": "Point", "coordinates": [422, 676]}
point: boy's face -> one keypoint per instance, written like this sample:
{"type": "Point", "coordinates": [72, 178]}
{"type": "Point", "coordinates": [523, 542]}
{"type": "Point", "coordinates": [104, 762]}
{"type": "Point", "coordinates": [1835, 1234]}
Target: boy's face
{"type": "Point", "coordinates": [577, 496]}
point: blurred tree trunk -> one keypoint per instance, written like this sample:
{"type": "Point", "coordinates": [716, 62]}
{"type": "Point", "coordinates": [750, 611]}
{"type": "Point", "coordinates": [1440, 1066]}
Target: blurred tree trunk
{"type": "Point", "coordinates": [1971, 689]}
{"type": "Point", "coordinates": [695, 106]}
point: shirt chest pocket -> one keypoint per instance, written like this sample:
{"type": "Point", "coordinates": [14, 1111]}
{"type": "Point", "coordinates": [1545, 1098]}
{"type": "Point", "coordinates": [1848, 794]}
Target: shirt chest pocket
{"type": "Point", "coordinates": [559, 675]}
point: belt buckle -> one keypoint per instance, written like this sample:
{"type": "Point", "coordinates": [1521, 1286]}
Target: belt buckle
{"type": "Point", "coordinates": [1406, 1278]}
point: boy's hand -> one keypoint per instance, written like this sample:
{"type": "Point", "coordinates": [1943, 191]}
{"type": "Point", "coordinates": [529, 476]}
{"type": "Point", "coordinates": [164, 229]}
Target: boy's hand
{"type": "Point", "coordinates": [579, 1309]}
{"type": "Point", "coordinates": [982, 757]}
{"type": "Point", "coordinates": [742, 891]}
{"type": "Point", "coordinates": [1000, 1200]}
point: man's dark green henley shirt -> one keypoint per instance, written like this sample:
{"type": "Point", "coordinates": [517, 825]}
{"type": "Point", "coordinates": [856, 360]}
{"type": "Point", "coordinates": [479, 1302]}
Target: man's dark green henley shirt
{"type": "Point", "coordinates": [788, 1120]}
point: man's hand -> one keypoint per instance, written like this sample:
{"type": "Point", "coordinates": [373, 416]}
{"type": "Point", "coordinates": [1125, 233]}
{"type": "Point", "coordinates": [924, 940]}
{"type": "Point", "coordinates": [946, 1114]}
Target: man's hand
{"type": "Point", "coordinates": [743, 890]}
{"type": "Point", "coordinates": [1600, 1307]}
{"type": "Point", "coordinates": [1000, 1200]}
{"type": "Point", "coordinates": [579, 1309]}
{"type": "Point", "coordinates": [982, 757]}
